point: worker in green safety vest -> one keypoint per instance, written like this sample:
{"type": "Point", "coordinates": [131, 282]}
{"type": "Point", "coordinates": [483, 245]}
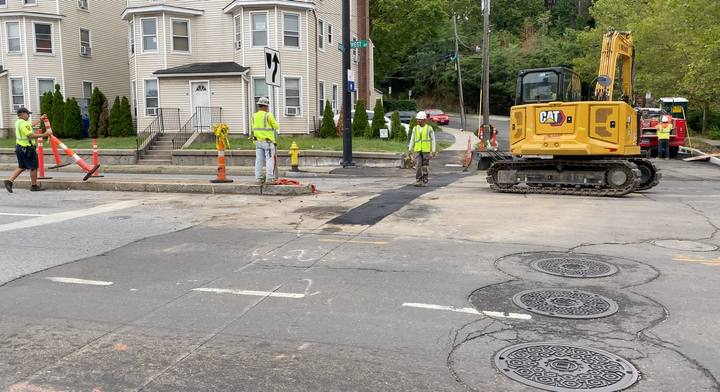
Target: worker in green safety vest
{"type": "Point", "coordinates": [264, 128]}
{"type": "Point", "coordinates": [25, 152]}
{"type": "Point", "coordinates": [422, 142]}
{"type": "Point", "coordinates": [663, 134]}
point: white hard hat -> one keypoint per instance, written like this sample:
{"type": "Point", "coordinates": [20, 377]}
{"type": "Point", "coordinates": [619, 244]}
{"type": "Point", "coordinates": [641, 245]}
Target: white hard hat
{"type": "Point", "coordinates": [421, 116]}
{"type": "Point", "coordinates": [664, 119]}
{"type": "Point", "coordinates": [263, 101]}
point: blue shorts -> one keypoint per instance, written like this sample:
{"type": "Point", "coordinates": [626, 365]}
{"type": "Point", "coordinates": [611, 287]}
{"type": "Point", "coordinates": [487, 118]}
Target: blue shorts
{"type": "Point", "coordinates": [27, 157]}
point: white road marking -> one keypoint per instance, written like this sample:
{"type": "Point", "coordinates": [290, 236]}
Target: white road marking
{"type": "Point", "coordinates": [453, 165]}
{"type": "Point", "coordinates": [469, 310]}
{"type": "Point", "coordinates": [68, 215]}
{"type": "Point", "coordinates": [9, 214]}
{"type": "Point", "coordinates": [250, 292]}
{"type": "Point", "coordinates": [80, 281]}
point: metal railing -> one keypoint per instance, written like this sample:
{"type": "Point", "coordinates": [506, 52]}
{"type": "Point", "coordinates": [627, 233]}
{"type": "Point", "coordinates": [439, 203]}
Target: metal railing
{"type": "Point", "coordinates": [167, 118]}
{"type": "Point", "coordinates": [201, 121]}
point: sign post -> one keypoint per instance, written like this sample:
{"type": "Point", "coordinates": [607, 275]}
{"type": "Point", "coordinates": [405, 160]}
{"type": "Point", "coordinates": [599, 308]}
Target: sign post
{"type": "Point", "coordinates": [347, 132]}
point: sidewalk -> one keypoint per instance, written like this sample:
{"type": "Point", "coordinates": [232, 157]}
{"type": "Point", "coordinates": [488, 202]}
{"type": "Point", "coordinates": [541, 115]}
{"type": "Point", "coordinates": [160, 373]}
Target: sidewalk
{"type": "Point", "coordinates": [461, 138]}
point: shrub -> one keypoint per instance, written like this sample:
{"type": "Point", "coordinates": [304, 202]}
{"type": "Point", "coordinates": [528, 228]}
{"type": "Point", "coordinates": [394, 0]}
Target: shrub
{"type": "Point", "coordinates": [46, 108]}
{"type": "Point", "coordinates": [377, 124]}
{"type": "Point", "coordinates": [127, 128]}
{"type": "Point", "coordinates": [58, 113]}
{"type": "Point", "coordinates": [74, 127]}
{"type": "Point", "coordinates": [396, 128]}
{"type": "Point", "coordinates": [360, 121]}
{"type": "Point", "coordinates": [104, 120]}
{"type": "Point", "coordinates": [714, 133]}
{"type": "Point", "coordinates": [96, 103]}
{"type": "Point", "coordinates": [413, 123]}
{"type": "Point", "coordinates": [115, 127]}
{"type": "Point", "coordinates": [392, 105]}
{"type": "Point", "coordinates": [339, 125]}
{"type": "Point", "coordinates": [328, 128]}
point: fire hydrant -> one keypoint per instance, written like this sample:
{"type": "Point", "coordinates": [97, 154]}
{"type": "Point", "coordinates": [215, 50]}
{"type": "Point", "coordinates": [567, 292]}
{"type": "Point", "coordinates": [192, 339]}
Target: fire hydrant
{"type": "Point", "coordinates": [294, 152]}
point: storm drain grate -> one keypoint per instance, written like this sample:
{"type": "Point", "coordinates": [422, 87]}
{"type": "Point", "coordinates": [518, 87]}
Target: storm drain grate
{"type": "Point", "coordinates": [564, 303]}
{"type": "Point", "coordinates": [575, 267]}
{"type": "Point", "coordinates": [564, 367]}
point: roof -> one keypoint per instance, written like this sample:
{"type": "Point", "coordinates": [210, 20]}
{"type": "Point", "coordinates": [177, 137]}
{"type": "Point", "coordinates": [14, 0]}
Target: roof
{"type": "Point", "coordinates": [674, 99]}
{"type": "Point", "coordinates": [229, 68]}
{"type": "Point", "coordinates": [31, 15]}
{"type": "Point", "coordinates": [236, 4]}
{"type": "Point", "coordinates": [129, 12]}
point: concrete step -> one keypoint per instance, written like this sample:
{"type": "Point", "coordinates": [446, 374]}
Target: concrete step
{"type": "Point", "coordinates": [165, 154]}
{"type": "Point", "coordinates": [164, 162]}
{"type": "Point", "coordinates": [168, 144]}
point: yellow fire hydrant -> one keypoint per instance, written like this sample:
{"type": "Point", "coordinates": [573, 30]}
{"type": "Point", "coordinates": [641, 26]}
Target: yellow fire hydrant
{"type": "Point", "coordinates": [294, 152]}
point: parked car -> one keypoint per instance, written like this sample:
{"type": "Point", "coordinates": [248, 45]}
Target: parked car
{"type": "Point", "coordinates": [371, 114]}
{"type": "Point", "coordinates": [437, 116]}
{"type": "Point", "coordinates": [405, 115]}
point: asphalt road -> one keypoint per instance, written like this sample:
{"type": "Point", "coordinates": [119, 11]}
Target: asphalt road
{"type": "Point", "coordinates": [379, 286]}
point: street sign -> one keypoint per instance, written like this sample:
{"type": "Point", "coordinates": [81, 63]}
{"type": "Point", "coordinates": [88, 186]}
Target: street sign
{"type": "Point", "coordinates": [358, 44]}
{"type": "Point", "coordinates": [341, 48]}
{"type": "Point", "coordinates": [383, 134]}
{"type": "Point", "coordinates": [351, 86]}
{"type": "Point", "coordinates": [272, 67]}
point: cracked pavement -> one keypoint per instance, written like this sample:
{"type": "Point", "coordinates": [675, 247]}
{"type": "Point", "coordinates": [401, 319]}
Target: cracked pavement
{"type": "Point", "coordinates": [379, 286]}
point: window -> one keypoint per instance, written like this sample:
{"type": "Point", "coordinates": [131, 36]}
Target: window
{"type": "Point", "coordinates": [335, 99]}
{"type": "Point", "coordinates": [291, 31]}
{"type": "Point", "coordinates": [85, 42]}
{"type": "Point", "coordinates": [131, 38]}
{"type": "Point", "coordinates": [83, 5]}
{"type": "Point", "coordinates": [3, 3]}
{"type": "Point", "coordinates": [133, 91]}
{"type": "Point", "coordinates": [13, 37]}
{"type": "Point", "coordinates": [43, 38]}
{"type": "Point", "coordinates": [87, 89]}
{"type": "Point", "coordinates": [260, 89]}
{"type": "Point", "coordinates": [292, 93]}
{"type": "Point", "coordinates": [321, 97]}
{"type": "Point", "coordinates": [180, 35]}
{"type": "Point", "coordinates": [238, 32]}
{"type": "Point", "coordinates": [17, 93]}
{"type": "Point", "coordinates": [330, 34]}
{"type": "Point", "coordinates": [149, 35]}
{"type": "Point", "coordinates": [44, 85]}
{"type": "Point", "coordinates": [152, 98]}
{"type": "Point", "coordinates": [259, 29]}
{"type": "Point", "coordinates": [29, 2]}
{"type": "Point", "coordinates": [321, 37]}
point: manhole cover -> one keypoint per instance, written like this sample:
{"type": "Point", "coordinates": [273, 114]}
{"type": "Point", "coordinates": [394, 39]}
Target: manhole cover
{"type": "Point", "coordinates": [565, 367]}
{"type": "Point", "coordinates": [565, 303]}
{"type": "Point", "coordinates": [685, 245]}
{"type": "Point", "coordinates": [574, 267]}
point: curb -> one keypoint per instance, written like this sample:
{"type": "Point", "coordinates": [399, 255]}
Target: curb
{"type": "Point", "coordinates": [695, 152]}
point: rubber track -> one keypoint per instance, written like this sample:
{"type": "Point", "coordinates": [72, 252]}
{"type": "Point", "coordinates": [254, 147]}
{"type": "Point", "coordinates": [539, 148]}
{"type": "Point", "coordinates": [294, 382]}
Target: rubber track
{"type": "Point", "coordinates": [630, 167]}
{"type": "Point", "coordinates": [653, 184]}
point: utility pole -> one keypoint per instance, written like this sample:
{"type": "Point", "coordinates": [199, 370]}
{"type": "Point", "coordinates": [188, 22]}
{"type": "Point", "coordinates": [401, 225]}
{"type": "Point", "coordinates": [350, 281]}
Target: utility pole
{"type": "Point", "coordinates": [347, 120]}
{"type": "Point", "coordinates": [459, 76]}
{"type": "Point", "coordinates": [486, 70]}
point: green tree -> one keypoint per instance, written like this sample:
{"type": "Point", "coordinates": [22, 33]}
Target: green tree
{"type": "Point", "coordinates": [128, 129]}
{"type": "Point", "coordinates": [73, 127]}
{"type": "Point", "coordinates": [360, 121]}
{"type": "Point", "coordinates": [396, 128]}
{"type": "Point", "coordinates": [46, 108]}
{"type": "Point", "coordinates": [96, 101]}
{"type": "Point", "coordinates": [58, 114]}
{"type": "Point", "coordinates": [115, 126]}
{"type": "Point", "coordinates": [104, 120]}
{"type": "Point", "coordinates": [413, 123]}
{"type": "Point", "coordinates": [328, 128]}
{"type": "Point", "coordinates": [378, 119]}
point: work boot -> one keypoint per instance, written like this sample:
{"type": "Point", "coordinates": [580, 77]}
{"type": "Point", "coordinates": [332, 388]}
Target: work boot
{"type": "Point", "coordinates": [8, 185]}
{"type": "Point", "coordinates": [657, 158]}
{"type": "Point", "coordinates": [272, 182]}
{"type": "Point", "coordinates": [418, 183]}
{"type": "Point", "coordinates": [259, 182]}
{"type": "Point", "coordinates": [667, 159]}
{"type": "Point", "coordinates": [36, 188]}
{"type": "Point", "coordinates": [425, 183]}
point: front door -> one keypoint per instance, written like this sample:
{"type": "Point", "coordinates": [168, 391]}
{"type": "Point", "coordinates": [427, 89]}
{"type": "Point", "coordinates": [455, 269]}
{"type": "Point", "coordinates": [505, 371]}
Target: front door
{"type": "Point", "coordinates": [201, 106]}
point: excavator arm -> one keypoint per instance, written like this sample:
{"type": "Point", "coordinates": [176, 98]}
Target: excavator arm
{"type": "Point", "coordinates": [617, 48]}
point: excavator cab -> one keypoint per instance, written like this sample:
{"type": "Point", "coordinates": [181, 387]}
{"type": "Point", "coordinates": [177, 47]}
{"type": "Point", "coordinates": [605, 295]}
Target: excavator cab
{"type": "Point", "coordinates": [544, 85]}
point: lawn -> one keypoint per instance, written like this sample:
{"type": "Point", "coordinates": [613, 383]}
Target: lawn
{"type": "Point", "coordinates": [111, 143]}
{"type": "Point", "coordinates": [335, 144]}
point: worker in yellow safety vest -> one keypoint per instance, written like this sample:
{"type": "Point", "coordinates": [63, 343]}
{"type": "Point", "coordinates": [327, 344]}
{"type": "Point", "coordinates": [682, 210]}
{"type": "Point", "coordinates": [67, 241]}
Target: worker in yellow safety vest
{"type": "Point", "coordinates": [422, 142]}
{"type": "Point", "coordinates": [264, 128]}
{"type": "Point", "coordinates": [25, 152]}
{"type": "Point", "coordinates": [663, 134]}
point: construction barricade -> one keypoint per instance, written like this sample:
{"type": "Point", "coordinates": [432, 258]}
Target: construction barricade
{"type": "Point", "coordinates": [56, 154]}
{"type": "Point", "coordinates": [88, 170]}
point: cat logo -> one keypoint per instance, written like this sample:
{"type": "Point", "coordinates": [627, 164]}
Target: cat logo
{"type": "Point", "coordinates": [555, 118]}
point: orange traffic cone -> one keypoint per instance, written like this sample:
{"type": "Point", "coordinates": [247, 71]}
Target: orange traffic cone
{"type": "Point", "coordinates": [468, 156]}
{"type": "Point", "coordinates": [221, 178]}
{"type": "Point", "coordinates": [89, 170]}
{"type": "Point", "coordinates": [95, 158]}
{"type": "Point", "coordinates": [56, 154]}
{"type": "Point", "coordinates": [41, 162]}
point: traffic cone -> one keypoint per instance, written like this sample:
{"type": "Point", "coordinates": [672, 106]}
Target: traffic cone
{"type": "Point", "coordinates": [89, 170]}
{"type": "Point", "coordinates": [468, 156]}
{"type": "Point", "coordinates": [41, 162]}
{"type": "Point", "coordinates": [221, 178]}
{"type": "Point", "coordinates": [56, 154]}
{"type": "Point", "coordinates": [95, 159]}
{"type": "Point", "coordinates": [494, 135]}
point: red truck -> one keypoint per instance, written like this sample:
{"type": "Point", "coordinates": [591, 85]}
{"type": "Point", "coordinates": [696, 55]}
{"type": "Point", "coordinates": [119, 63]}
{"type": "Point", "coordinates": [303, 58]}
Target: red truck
{"type": "Point", "coordinates": [676, 108]}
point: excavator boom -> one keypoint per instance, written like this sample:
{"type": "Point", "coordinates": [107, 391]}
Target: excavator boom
{"type": "Point", "coordinates": [617, 48]}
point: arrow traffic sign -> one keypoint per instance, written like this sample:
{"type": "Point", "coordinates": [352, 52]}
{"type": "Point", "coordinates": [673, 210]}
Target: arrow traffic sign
{"type": "Point", "coordinates": [272, 67]}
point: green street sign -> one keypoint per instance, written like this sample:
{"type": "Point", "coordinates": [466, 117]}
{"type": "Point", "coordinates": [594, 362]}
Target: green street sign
{"type": "Point", "coordinates": [358, 44]}
{"type": "Point", "coordinates": [341, 48]}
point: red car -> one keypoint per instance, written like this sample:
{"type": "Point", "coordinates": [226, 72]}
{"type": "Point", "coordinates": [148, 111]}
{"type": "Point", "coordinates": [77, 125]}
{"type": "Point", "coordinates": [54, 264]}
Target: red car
{"type": "Point", "coordinates": [437, 116]}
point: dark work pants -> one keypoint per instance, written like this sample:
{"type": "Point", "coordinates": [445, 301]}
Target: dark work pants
{"type": "Point", "coordinates": [422, 163]}
{"type": "Point", "coordinates": [664, 148]}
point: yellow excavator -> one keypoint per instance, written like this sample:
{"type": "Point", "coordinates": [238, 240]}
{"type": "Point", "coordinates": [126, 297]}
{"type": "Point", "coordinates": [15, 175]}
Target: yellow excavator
{"type": "Point", "coordinates": [560, 144]}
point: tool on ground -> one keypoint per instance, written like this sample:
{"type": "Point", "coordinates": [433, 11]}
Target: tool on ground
{"type": "Point", "coordinates": [294, 152]}
{"type": "Point", "coordinates": [95, 158]}
{"type": "Point", "coordinates": [41, 162]}
{"type": "Point", "coordinates": [56, 154]}
{"type": "Point", "coordinates": [221, 177]}
{"type": "Point", "coordinates": [88, 170]}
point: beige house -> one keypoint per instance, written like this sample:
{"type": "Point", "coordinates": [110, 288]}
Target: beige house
{"type": "Point", "coordinates": [205, 60]}
{"type": "Point", "coordinates": [73, 43]}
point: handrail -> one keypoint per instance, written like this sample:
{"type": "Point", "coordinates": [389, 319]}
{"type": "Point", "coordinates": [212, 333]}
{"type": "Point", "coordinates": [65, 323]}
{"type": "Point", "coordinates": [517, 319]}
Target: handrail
{"type": "Point", "coordinates": [184, 134]}
{"type": "Point", "coordinates": [167, 119]}
{"type": "Point", "coordinates": [202, 120]}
